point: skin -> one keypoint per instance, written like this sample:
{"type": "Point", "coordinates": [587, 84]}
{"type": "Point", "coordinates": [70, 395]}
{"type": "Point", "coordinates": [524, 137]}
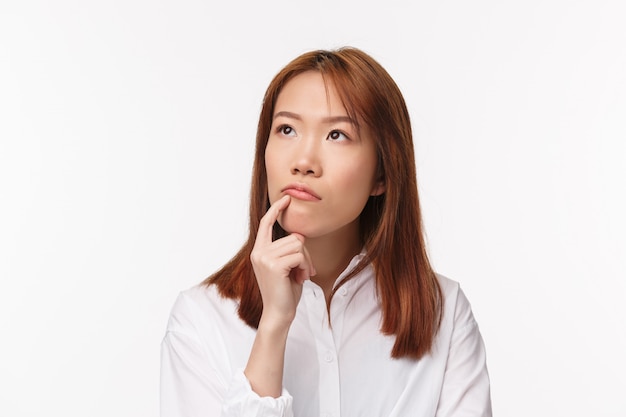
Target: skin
{"type": "Point", "coordinates": [321, 171]}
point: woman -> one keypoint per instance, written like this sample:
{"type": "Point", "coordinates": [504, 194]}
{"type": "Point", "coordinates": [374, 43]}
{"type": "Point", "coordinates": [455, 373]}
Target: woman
{"type": "Point", "coordinates": [331, 307]}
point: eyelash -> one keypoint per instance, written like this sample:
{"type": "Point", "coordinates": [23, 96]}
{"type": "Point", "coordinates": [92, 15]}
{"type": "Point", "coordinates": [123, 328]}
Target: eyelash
{"type": "Point", "coordinates": [342, 133]}
{"type": "Point", "coordinates": [283, 128]}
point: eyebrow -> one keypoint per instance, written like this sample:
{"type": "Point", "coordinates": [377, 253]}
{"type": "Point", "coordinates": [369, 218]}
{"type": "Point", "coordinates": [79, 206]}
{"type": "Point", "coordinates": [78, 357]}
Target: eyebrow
{"type": "Point", "coordinates": [331, 119]}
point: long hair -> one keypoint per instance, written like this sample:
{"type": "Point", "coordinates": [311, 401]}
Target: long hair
{"type": "Point", "coordinates": [390, 224]}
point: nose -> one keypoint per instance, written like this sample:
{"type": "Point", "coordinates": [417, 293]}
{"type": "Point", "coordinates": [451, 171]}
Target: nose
{"type": "Point", "coordinates": [306, 158]}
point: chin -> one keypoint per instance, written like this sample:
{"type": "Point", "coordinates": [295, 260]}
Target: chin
{"type": "Point", "coordinates": [296, 224]}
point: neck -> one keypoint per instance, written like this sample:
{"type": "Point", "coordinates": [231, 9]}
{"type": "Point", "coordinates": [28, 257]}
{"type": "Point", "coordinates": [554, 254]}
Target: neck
{"type": "Point", "coordinates": [331, 255]}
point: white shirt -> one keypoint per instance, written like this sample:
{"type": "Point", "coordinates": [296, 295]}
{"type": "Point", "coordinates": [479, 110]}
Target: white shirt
{"type": "Point", "coordinates": [342, 370]}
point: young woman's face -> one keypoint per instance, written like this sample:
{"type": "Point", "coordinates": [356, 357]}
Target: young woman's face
{"type": "Point", "coordinates": [316, 155]}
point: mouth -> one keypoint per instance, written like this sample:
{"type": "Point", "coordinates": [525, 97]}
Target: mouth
{"type": "Point", "coordinates": [301, 192]}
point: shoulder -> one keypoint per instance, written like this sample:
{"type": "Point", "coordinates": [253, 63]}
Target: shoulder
{"type": "Point", "coordinates": [199, 305]}
{"type": "Point", "coordinates": [457, 310]}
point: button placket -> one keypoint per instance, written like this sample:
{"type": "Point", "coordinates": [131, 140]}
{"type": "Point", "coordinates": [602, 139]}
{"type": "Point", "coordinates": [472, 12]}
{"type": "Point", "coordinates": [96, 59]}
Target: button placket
{"type": "Point", "coordinates": [329, 387]}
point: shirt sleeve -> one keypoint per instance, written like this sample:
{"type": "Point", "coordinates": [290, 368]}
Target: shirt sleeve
{"type": "Point", "coordinates": [192, 387]}
{"type": "Point", "coordinates": [466, 387]}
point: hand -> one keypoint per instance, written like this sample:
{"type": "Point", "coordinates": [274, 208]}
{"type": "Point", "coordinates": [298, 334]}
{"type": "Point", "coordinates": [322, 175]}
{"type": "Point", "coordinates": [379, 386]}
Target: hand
{"type": "Point", "coordinates": [280, 267]}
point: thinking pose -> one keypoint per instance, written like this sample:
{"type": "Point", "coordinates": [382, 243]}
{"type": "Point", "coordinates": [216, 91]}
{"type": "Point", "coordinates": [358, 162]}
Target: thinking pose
{"type": "Point", "coordinates": [331, 307]}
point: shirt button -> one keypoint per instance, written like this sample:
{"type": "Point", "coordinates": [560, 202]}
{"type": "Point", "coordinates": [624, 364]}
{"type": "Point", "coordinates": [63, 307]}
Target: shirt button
{"type": "Point", "coordinates": [327, 415]}
{"type": "Point", "coordinates": [329, 356]}
{"type": "Point", "coordinates": [343, 291]}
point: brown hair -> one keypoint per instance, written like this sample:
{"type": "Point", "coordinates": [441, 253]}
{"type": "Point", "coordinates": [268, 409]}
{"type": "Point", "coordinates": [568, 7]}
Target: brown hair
{"type": "Point", "coordinates": [390, 224]}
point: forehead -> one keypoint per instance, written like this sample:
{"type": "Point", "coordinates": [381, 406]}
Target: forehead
{"type": "Point", "coordinates": [309, 93]}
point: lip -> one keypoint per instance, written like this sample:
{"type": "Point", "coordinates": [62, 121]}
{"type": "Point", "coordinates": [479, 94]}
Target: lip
{"type": "Point", "coordinates": [301, 192]}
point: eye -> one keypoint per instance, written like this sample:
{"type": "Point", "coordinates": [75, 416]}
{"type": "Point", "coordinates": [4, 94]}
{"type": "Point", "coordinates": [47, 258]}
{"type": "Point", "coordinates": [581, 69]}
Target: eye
{"type": "Point", "coordinates": [337, 136]}
{"type": "Point", "coordinates": [286, 130]}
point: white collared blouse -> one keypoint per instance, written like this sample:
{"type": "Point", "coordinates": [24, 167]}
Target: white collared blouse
{"type": "Point", "coordinates": [341, 370]}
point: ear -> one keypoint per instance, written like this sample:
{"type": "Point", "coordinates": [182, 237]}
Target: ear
{"type": "Point", "coordinates": [378, 188]}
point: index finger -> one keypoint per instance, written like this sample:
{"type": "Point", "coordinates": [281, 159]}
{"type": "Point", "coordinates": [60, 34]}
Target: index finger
{"type": "Point", "coordinates": [266, 225]}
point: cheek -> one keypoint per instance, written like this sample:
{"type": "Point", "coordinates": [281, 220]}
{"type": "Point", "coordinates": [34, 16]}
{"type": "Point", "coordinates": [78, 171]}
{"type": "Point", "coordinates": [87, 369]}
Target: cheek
{"type": "Point", "coordinates": [357, 179]}
{"type": "Point", "coordinates": [270, 170]}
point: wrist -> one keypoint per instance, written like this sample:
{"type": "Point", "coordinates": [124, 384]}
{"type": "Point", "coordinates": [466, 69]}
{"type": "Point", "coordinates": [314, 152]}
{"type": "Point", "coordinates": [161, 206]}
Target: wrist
{"type": "Point", "coordinates": [274, 326]}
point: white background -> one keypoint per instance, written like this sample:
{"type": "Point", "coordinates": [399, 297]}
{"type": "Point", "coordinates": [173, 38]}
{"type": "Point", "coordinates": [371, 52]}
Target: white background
{"type": "Point", "coordinates": [126, 136]}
